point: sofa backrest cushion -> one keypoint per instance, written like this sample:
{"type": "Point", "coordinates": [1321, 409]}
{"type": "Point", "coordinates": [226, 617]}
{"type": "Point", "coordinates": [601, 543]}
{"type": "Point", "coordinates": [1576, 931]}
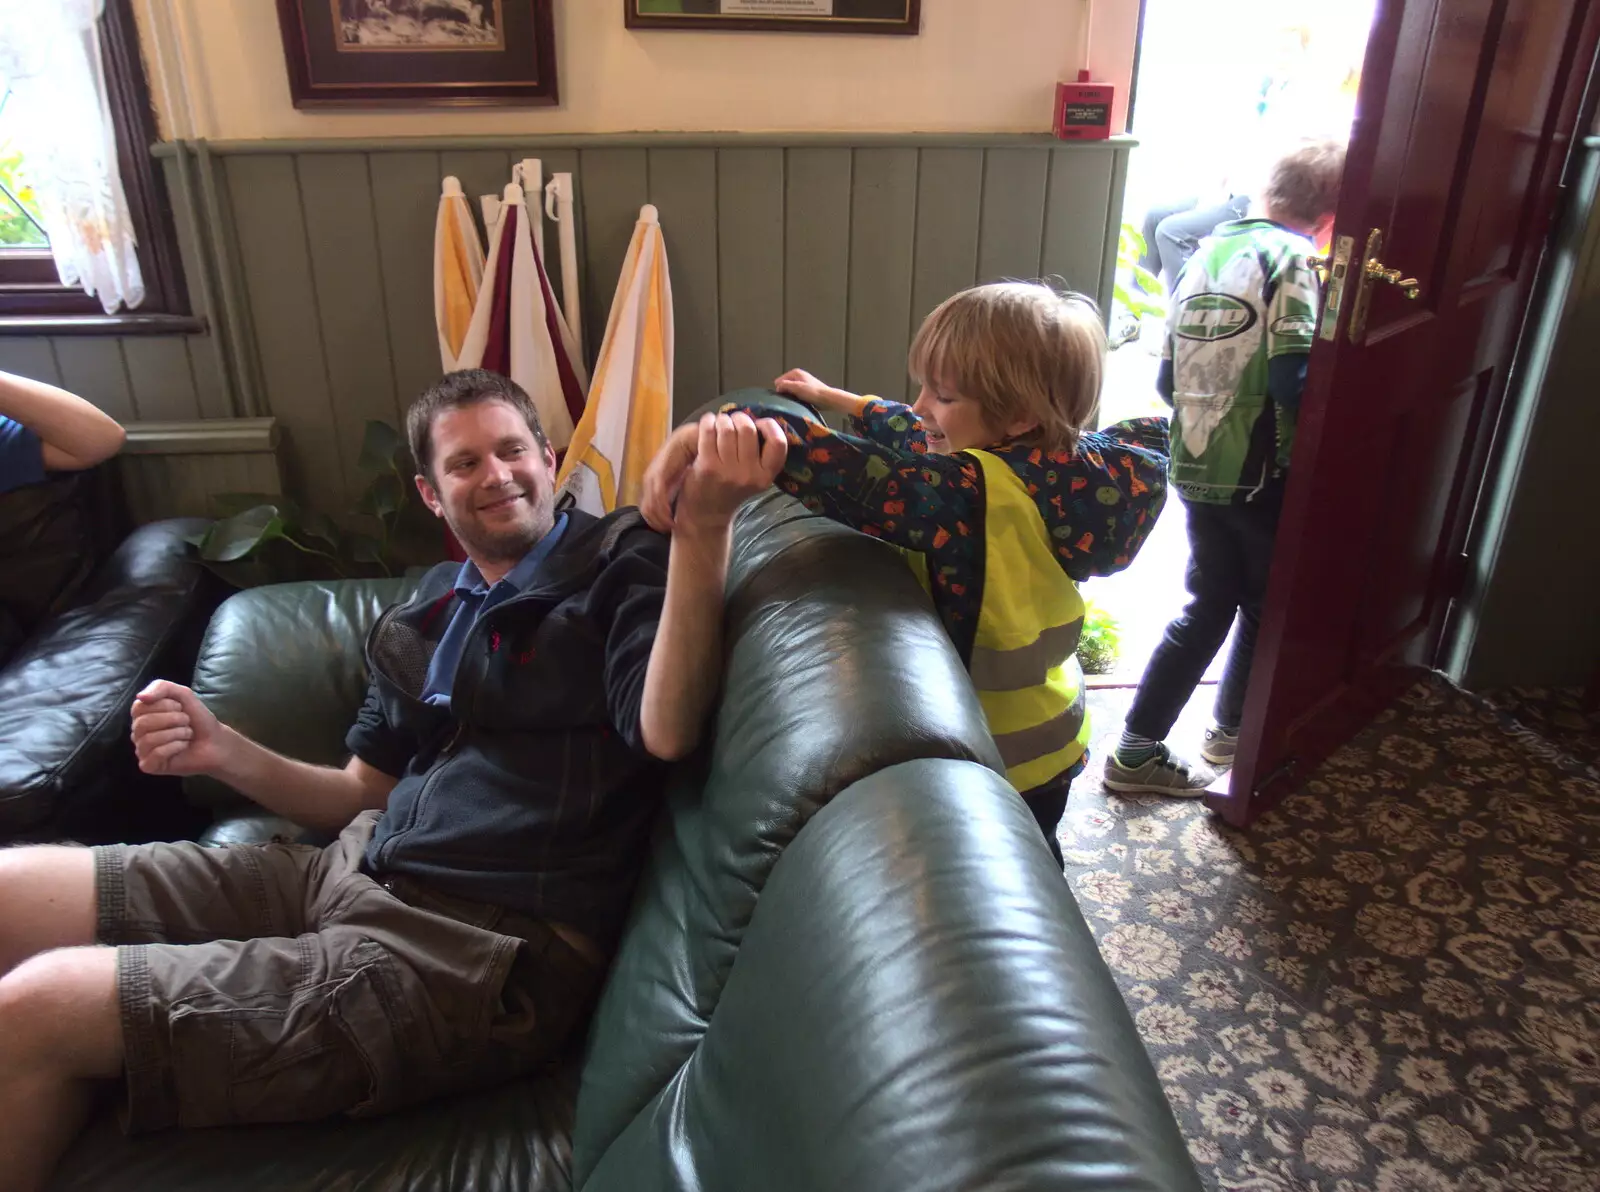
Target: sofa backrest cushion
{"type": "Point", "coordinates": [65, 694]}
{"type": "Point", "coordinates": [837, 668]}
{"type": "Point", "coordinates": [284, 665]}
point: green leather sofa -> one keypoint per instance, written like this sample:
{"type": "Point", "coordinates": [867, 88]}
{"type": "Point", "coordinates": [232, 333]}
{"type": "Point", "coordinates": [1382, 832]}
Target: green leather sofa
{"type": "Point", "coordinates": [851, 963]}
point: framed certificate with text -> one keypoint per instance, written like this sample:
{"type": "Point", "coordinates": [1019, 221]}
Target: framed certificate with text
{"type": "Point", "coordinates": [791, 16]}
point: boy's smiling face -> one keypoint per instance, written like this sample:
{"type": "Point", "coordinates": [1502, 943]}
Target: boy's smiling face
{"type": "Point", "coordinates": [955, 422]}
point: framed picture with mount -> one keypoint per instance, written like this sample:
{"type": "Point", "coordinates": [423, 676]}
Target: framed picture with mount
{"type": "Point", "coordinates": [419, 53]}
{"type": "Point", "coordinates": [789, 16]}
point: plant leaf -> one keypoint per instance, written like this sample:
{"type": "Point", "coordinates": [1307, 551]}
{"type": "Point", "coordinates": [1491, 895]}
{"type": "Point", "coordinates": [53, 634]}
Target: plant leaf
{"type": "Point", "coordinates": [381, 446]}
{"type": "Point", "coordinates": [321, 527]}
{"type": "Point", "coordinates": [229, 504]}
{"type": "Point", "coordinates": [364, 548]}
{"type": "Point", "coordinates": [236, 537]}
{"type": "Point", "coordinates": [384, 495]}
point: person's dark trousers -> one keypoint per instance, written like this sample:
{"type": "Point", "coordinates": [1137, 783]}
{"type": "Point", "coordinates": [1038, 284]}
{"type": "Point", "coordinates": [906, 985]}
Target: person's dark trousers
{"type": "Point", "coordinates": [1230, 558]}
{"type": "Point", "coordinates": [1177, 236]}
{"type": "Point", "coordinates": [1048, 803]}
{"type": "Point", "coordinates": [1152, 220]}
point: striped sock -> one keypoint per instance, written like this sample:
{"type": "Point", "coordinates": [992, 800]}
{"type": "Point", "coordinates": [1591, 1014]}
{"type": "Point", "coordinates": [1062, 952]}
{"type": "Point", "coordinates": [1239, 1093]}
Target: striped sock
{"type": "Point", "coordinates": [1133, 750]}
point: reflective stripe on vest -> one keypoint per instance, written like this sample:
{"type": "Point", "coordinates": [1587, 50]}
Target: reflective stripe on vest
{"type": "Point", "coordinates": [1023, 656]}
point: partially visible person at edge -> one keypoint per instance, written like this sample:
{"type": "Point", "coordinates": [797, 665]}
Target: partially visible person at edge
{"type": "Point", "coordinates": [1002, 497]}
{"type": "Point", "coordinates": [45, 530]}
{"type": "Point", "coordinates": [1233, 366]}
{"type": "Point", "coordinates": [46, 429]}
{"type": "Point", "coordinates": [490, 823]}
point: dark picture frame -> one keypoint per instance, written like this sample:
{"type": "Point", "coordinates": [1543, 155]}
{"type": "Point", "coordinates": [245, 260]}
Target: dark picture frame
{"type": "Point", "coordinates": [903, 17]}
{"type": "Point", "coordinates": [465, 53]}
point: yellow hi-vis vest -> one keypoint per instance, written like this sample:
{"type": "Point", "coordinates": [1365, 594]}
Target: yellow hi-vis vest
{"type": "Point", "coordinates": [1024, 662]}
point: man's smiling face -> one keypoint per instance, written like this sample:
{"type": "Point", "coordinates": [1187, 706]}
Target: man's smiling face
{"type": "Point", "coordinates": [491, 481]}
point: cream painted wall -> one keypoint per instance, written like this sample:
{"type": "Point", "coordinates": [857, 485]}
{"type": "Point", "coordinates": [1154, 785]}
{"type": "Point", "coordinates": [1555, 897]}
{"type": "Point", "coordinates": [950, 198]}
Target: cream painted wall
{"type": "Point", "coordinates": [978, 65]}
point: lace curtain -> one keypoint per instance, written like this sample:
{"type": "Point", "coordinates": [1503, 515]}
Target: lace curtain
{"type": "Point", "coordinates": [50, 59]}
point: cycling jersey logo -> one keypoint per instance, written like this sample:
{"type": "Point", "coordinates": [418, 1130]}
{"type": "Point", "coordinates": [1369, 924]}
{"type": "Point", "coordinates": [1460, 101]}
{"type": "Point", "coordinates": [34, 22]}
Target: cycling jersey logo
{"type": "Point", "coordinates": [1295, 326]}
{"type": "Point", "coordinates": [1209, 317]}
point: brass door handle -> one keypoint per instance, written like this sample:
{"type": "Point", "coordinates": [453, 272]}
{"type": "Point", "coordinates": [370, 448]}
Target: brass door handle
{"type": "Point", "coordinates": [1409, 286]}
{"type": "Point", "coordinates": [1372, 271]}
{"type": "Point", "coordinates": [1319, 266]}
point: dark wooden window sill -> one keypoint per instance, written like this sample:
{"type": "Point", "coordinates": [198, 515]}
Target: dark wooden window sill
{"type": "Point", "coordinates": [126, 324]}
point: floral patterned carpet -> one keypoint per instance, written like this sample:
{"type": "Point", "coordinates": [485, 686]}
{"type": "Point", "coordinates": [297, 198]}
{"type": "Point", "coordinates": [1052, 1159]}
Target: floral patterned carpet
{"type": "Point", "coordinates": [1389, 984]}
{"type": "Point", "coordinates": [1555, 715]}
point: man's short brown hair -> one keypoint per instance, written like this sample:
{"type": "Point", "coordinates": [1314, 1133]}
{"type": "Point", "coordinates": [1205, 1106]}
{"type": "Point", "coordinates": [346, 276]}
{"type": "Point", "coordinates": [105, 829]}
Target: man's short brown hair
{"type": "Point", "coordinates": [465, 387]}
{"type": "Point", "coordinates": [1023, 351]}
{"type": "Point", "coordinates": [1303, 186]}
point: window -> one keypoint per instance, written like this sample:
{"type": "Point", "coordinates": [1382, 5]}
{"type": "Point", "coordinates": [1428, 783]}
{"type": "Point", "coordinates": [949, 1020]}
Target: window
{"type": "Point", "coordinates": [32, 298]}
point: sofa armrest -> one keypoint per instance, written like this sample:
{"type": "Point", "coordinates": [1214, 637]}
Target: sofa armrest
{"type": "Point", "coordinates": [917, 1003]}
{"type": "Point", "coordinates": [65, 693]}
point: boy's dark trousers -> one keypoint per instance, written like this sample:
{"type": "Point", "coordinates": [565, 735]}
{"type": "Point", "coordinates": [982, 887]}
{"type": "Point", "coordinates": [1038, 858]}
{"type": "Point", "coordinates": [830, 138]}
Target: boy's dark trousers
{"type": "Point", "coordinates": [1230, 558]}
{"type": "Point", "coordinates": [1048, 803]}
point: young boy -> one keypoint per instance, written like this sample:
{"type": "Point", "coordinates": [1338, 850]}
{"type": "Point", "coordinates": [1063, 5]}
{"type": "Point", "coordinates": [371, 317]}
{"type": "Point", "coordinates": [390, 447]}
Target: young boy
{"type": "Point", "coordinates": [1238, 336]}
{"type": "Point", "coordinates": [1003, 499]}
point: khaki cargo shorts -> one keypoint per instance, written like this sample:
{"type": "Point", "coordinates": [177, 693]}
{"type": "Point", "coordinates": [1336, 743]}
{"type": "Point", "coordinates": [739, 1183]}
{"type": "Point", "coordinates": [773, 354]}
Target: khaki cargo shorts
{"type": "Point", "coordinates": [274, 983]}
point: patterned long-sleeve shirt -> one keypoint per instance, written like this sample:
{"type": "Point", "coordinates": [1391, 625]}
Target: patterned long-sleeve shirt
{"type": "Point", "coordinates": [1100, 501]}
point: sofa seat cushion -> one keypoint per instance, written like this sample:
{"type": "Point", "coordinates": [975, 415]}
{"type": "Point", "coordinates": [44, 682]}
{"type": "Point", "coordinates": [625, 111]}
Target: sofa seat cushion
{"type": "Point", "coordinates": [517, 1136]}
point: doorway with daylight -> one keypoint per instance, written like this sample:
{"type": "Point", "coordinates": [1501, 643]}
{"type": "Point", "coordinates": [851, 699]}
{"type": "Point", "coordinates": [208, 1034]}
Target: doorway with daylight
{"type": "Point", "coordinates": [1221, 87]}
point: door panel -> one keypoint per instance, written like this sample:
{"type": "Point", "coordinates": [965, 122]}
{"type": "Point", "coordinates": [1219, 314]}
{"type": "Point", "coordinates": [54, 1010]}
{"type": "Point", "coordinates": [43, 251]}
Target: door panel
{"type": "Point", "coordinates": [1467, 109]}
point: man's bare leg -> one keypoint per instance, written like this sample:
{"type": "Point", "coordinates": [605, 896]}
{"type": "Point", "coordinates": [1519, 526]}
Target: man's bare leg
{"type": "Point", "coordinates": [60, 1030]}
{"type": "Point", "coordinates": [47, 900]}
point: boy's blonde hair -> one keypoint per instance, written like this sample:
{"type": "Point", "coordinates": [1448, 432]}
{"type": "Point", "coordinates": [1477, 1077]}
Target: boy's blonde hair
{"type": "Point", "coordinates": [1303, 187]}
{"type": "Point", "coordinates": [1023, 352]}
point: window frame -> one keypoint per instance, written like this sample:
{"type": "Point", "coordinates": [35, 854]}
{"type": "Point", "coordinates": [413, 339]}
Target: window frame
{"type": "Point", "coordinates": [32, 299]}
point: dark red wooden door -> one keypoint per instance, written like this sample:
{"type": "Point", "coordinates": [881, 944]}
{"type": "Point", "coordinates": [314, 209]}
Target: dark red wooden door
{"type": "Point", "coordinates": [1466, 112]}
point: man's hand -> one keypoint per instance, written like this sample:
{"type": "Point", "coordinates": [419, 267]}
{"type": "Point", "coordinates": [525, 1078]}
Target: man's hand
{"type": "Point", "coordinates": [663, 479]}
{"type": "Point", "coordinates": [735, 458]}
{"type": "Point", "coordinates": [174, 733]}
{"type": "Point", "coordinates": [798, 383]}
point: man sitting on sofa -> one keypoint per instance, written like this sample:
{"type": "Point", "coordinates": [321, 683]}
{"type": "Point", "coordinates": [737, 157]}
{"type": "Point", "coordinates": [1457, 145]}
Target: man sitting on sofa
{"type": "Point", "coordinates": [493, 816]}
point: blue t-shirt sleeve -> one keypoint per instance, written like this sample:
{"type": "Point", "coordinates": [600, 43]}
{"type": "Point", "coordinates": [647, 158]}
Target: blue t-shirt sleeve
{"type": "Point", "coordinates": [21, 456]}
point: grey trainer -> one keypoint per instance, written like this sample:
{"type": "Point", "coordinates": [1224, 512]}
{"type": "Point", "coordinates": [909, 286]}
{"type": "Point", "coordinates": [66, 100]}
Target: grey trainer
{"type": "Point", "coordinates": [1219, 746]}
{"type": "Point", "coordinates": [1164, 774]}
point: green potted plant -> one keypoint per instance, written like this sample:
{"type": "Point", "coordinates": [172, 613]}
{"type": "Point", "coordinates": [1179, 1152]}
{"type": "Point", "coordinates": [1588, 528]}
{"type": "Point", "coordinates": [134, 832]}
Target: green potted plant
{"type": "Point", "coordinates": [1100, 644]}
{"type": "Point", "coordinates": [263, 538]}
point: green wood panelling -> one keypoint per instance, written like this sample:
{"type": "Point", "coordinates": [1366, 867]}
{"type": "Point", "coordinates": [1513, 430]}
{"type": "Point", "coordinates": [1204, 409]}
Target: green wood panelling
{"type": "Point", "coordinates": [482, 172]}
{"type": "Point", "coordinates": [1075, 219]}
{"type": "Point", "coordinates": [883, 222]}
{"type": "Point", "coordinates": [343, 243]}
{"type": "Point", "coordinates": [816, 272]}
{"type": "Point", "coordinates": [210, 394]}
{"type": "Point", "coordinates": [949, 207]}
{"type": "Point", "coordinates": [683, 186]}
{"type": "Point", "coordinates": [276, 262]}
{"type": "Point", "coordinates": [1012, 228]}
{"type": "Point", "coordinates": [29, 356]}
{"type": "Point", "coordinates": [823, 252]}
{"type": "Point", "coordinates": [159, 486]}
{"type": "Point", "coordinates": [161, 377]}
{"type": "Point", "coordinates": [92, 367]}
{"type": "Point", "coordinates": [616, 185]}
{"type": "Point", "coordinates": [405, 202]}
{"type": "Point", "coordinates": [750, 265]}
